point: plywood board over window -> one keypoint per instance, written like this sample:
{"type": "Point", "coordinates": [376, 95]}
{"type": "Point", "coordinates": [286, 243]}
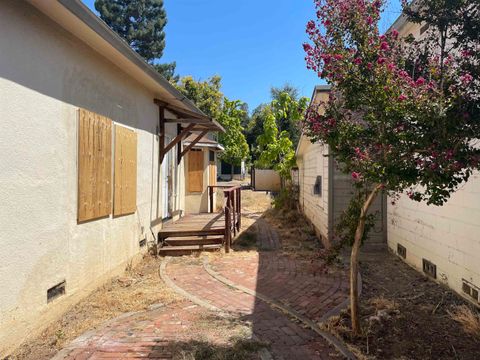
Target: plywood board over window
{"type": "Point", "coordinates": [125, 171]}
{"type": "Point", "coordinates": [195, 170]}
{"type": "Point", "coordinates": [94, 166]}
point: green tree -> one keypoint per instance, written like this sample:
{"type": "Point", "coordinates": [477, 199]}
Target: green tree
{"type": "Point", "coordinates": [233, 140]}
{"type": "Point", "coordinates": [205, 94]}
{"type": "Point", "coordinates": [141, 23]}
{"type": "Point", "coordinates": [275, 147]}
{"type": "Point", "coordinates": [208, 97]}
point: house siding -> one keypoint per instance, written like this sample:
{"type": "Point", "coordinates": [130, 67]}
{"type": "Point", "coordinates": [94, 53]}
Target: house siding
{"type": "Point", "coordinates": [448, 235]}
{"type": "Point", "coordinates": [314, 163]}
{"type": "Point", "coordinates": [46, 74]}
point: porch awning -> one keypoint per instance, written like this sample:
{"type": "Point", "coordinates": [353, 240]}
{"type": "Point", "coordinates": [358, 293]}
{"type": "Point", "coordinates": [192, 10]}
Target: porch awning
{"type": "Point", "coordinates": [203, 142]}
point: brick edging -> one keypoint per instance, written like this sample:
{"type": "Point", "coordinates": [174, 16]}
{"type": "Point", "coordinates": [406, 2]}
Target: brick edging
{"type": "Point", "coordinates": [263, 353]}
{"type": "Point", "coordinates": [182, 292]}
{"type": "Point", "coordinates": [338, 344]}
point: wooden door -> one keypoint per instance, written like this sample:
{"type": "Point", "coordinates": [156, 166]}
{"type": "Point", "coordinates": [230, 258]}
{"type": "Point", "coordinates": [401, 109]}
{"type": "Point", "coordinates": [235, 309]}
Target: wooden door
{"type": "Point", "coordinates": [195, 171]}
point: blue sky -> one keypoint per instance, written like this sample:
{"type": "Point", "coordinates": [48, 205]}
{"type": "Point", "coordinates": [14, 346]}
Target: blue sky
{"type": "Point", "coordinates": [252, 44]}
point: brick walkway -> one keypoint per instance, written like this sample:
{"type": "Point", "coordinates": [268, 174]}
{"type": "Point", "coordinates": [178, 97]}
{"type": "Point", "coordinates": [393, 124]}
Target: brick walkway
{"type": "Point", "coordinates": [289, 281]}
{"type": "Point", "coordinates": [301, 285]}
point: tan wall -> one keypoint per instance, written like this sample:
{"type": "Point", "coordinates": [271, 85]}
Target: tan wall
{"type": "Point", "coordinates": [312, 163]}
{"type": "Point", "coordinates": [448, 236]}
{"type": "Point", "coordinates": [267, 180]}
{"type": "Point", "coordinates": [45, 76]}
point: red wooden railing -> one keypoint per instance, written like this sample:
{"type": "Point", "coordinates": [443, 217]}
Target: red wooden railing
{"type": "Point", "coordinates": [232, 208]}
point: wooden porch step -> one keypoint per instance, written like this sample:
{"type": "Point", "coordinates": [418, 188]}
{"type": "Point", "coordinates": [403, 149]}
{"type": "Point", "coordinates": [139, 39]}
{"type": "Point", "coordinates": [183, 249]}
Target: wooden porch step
{"type": "Point", "coordinates": [188, 249]}
{"type": "Point", "coordinates": [193, 240]}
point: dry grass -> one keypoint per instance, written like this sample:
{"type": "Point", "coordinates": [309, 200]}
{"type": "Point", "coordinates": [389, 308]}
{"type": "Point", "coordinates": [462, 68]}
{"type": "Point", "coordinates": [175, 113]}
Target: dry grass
{"type": "Point", "coordinates": [297, 236]}
{"type": "Point", "coordinates": [382, 303]}
{"type": "Point", "coordinates": [136, 290]}
{"type": "Point", "coordinates": [468, 318]}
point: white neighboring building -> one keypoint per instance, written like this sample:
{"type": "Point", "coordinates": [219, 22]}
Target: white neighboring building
{"type": "Point", "coordinates": [445, 239]}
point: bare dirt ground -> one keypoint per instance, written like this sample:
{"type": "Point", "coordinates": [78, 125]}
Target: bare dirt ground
{"type": "Point", "coordinates": [136, 290]}
{"type": "Point", "coordinates": [407, 316]}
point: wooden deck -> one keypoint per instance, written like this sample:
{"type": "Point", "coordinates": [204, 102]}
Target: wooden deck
{"type": "Point", "coordinates": [204, 231]}
{"type": "Point", "coordinates": [195, 225]}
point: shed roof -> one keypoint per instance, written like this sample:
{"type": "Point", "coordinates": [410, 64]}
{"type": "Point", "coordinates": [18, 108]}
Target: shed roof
{"type": "Point", "coordinates": [204, 142]}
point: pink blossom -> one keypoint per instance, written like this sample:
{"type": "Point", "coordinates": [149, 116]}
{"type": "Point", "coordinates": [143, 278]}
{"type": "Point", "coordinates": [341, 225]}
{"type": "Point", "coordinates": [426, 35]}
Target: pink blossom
{"type": "Point", "coordinates": [357, 61]}
{"type": "Point", "coordinates": [402, 97]}
{"type": "Point", "coordinates": [369, 66]}
{"type": "Point", "coordinates": [394, 33]}
{"type": "Point", "coordinates": [356, 175]}
{"type": "Point", "coordinates": [466, 79]}
{"type": "Point", "coordinates": [384, 45]}
{"type": "Point", "coordinates": [381, 60]}
{"type": "Point", "coordinates": [466, 53]}
{"type": "Point", "coordinates": [338, 56]}
{"type": "Point", "coordinates": [369, 20]}
{"type": "Point", "coordinates": [307, 47]}
{"type": "Point", "coordinates": [391, 66]}
{"type": "Point", "coordinates": [420, 81]}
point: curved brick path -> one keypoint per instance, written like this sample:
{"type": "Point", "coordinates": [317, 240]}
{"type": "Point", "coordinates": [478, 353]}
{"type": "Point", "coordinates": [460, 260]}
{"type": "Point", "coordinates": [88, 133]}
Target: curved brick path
{"type": "Point", "coordinates": [280, 278]}
{"type": "Point", "coordinates": [299, 284]}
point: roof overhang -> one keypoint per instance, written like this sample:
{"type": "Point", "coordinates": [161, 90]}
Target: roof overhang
{"type": "Point", "coordinates": [317, 90]}
{"type": "Point", "coordinates": [76, 18]}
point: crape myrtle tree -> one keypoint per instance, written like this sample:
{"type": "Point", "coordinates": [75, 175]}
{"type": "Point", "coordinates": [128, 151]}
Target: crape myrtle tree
{"type": "Point", "coordinates": [275, 147]}
{"type": "Point", "coordinates": [141, 23]}
{"type": "Point", "coordinates": [399, 118]}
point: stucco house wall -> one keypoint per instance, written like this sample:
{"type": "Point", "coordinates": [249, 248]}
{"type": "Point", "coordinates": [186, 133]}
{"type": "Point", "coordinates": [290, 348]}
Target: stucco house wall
{"type": "Point", "coordinates": [46, 74]}
{"type": "Point", "coordinates": [449, 235]}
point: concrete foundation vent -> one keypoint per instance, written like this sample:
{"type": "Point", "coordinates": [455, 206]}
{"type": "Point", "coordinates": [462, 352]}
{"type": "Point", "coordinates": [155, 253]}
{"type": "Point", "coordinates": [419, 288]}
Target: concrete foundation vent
{"type": "Point", "coordinates": [56, 291]}
{"type": "Point", "coordinates": [471, 290]}
{"type": "Point", "coordinates": [430, 268]}
{"type": "Point", "coordinates": [402, 251]}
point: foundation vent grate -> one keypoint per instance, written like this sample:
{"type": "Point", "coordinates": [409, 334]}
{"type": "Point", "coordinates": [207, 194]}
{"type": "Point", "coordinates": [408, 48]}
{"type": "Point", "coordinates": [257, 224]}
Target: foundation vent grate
{"type": "Point", "coordinates": [471, 290]}
{"type": "Point", "coordinates": [402, 251]}
{"type": "Point", "coordinates": [56, 291]}
{"type": "Point", "coordinates": [142, 242]}
{"type": "Point", "coordinates": [430, 268]}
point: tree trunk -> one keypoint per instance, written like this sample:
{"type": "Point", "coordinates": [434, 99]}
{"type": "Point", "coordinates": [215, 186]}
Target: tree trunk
{"type": "Point", "coordinates": [356, 328]}
{"type": "Point", "coordinates": [232, 170]}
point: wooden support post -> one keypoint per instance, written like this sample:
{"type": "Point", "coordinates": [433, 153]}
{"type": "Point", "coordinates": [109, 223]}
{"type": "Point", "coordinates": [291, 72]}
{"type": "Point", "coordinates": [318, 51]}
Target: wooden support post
{"type": "Point", "coordinates": [178, 138]}
{"type": "Point", "coordinates": [239, 204]}
{"type": "Point", "coordinates": [193, 143]}
{"type": "Point", "coordinates": [227, 229]}
{"type": "Point", "coordinates": [179, 147]}
{"type": "Point", "coordinates": [161, 132]}
{"type": "Point", "coordinates": [234, 212]}
{"type": "Point", "coordinates": [210, 198]}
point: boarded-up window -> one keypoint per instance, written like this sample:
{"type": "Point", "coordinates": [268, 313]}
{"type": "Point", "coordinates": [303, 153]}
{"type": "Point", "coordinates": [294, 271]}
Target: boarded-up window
{"type": "Point", "coordinates": [94, 166]}
{"type": "Point", "coordinates": [195, 171]}
{"type": "Point", "coordinates": [125, 171]}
